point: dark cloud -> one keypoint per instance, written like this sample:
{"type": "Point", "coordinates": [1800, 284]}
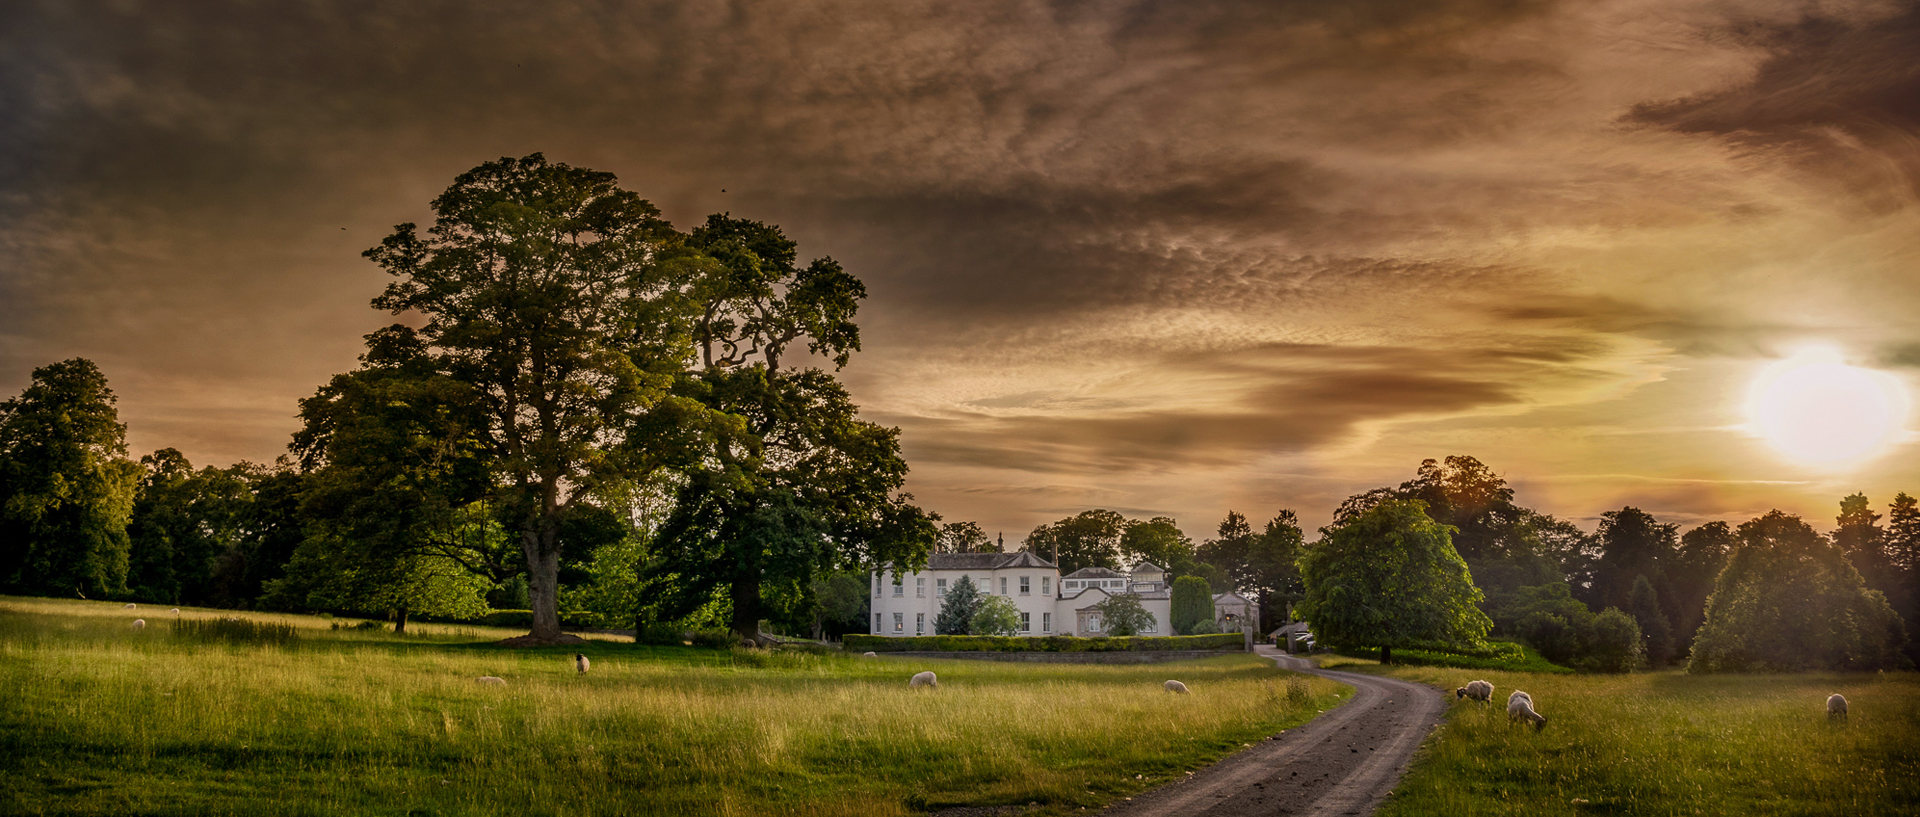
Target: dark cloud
{"type": "Point", "coordinates": [1833, 91]}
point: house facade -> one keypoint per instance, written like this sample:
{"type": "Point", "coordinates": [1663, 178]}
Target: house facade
{"type": "Point", "coordinates": [908, 603]}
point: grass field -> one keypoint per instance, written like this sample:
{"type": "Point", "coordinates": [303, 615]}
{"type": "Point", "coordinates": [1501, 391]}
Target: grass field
{"type": "Point", "coordinates": [1667, 743]}
{"type": "Point", "coordinates": [97, 718]}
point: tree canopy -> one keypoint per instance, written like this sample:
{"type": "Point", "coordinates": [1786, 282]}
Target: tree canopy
{"type": "Point", "coordinates": [1389, 578]}
{"type": "Point", "coordinates": [1089, 539]}
{"type": "Point", "coordinates": [1788, 600]}
{"type": "Point", "coordinates": [66, 485]}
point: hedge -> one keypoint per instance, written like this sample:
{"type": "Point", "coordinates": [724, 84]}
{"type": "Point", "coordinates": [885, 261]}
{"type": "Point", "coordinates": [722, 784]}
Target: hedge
{"type": "Point", "coordinates": [1506, 656]}
{"type": "Point", "coordinates": [1046, 643]}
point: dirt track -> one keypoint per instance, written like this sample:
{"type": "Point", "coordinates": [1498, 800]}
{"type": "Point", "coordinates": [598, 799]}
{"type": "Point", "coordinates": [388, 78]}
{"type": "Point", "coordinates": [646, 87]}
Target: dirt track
{"type": "Point", "coordinates": [1343, 762]}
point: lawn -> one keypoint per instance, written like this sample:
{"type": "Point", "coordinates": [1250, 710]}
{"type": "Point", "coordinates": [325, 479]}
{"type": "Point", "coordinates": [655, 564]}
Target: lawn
{"type": "Point", "coordinates": [1668, 743]}
{"type": "Point", "coordinates": [98, 718]}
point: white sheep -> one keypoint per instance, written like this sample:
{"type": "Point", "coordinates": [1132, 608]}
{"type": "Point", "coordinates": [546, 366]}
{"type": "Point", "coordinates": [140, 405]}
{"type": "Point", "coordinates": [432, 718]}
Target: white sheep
{"type": "Point", "coordinates": [924, 679]}
{"type": "Point", "coordinates": [129, 605]}
{"type": "Point", "coordinates": [1520, 705]}
{"type": "Point", "coordinates": [176, 611]}
{"type": "Point", "coordinates": [491, 680]}
{"type": "Point", "coordinates": [870, 655]}
{"type": "Point", "coordinates": [1481, 691]}
{"type": "Point", "coordinates": [141, 624]}
{"type": "Point", "coordinates": [581, 663]}
{"type": "Point", "coordinates": [1176, 686]}
{"type": "Point", "coordinates": [1836, 707]}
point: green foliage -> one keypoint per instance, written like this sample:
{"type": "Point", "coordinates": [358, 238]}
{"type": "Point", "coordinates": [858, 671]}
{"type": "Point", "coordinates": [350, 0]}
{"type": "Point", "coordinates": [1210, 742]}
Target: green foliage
{"type": "Point", "coordinates": [1089, 539]}
{"type": "Point", "coordinates": [1390, 578]}
{"type": "Point", "coordinates": [1789, 600]}
{"type": "Point", "coordinates": [1207, 626]}
{"type": "Point", "coordinates": [234, 631]}
{"type": "Point", "coordinates": [1261, 565]}
{"type": "Point", "coordinates": [965, 537]}
{"type": "Point", "coordinates": [1157, 540]}
{"type": "Point", "coordinates": [713, 639]}
{"type": "Point", "coordinates": [196, 537]}
{"type": "Point", "coordinates": [1610, 643]}
{"type": "Point", "coordinates": [956, 612]}
{"type": "Point", "coordinates": [1632, 544]}
{"type": "Point", "coordinates": [1192, 603]}
{"type": "Point", "coordinates": [1122, 615]}
{"type": "Point", "coordinates": [66, 485]}
{"type": "Point", "coordinates": [996, 615]}
{"type": "Point", "coordinates": [662, 633]}
{"type": "Point", "coordinates": [840, 605]}
{"type": "Point", "coordinates": [1655, 633]}
{"type": "Point", "coordinates": [1504, 656]}
{"type": "Point", "coordinates": [1045, 643]}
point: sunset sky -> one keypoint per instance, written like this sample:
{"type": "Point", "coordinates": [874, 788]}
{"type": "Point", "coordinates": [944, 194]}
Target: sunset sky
{"type": "Point", "coordinates": [1168, 258]}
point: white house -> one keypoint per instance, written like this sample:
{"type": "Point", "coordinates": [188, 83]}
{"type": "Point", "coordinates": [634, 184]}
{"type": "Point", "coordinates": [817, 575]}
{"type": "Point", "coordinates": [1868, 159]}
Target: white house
{"type": "Point", "coordinates": [907, 604]}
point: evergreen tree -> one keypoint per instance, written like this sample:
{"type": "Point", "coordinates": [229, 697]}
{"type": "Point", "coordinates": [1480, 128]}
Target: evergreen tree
{"type": "Point", "coordinates": [1192, 603]}
{"type": "Point", "coordinates": [1656, 634]}
{"type": "Point", "coordinates": [956, 613]}
{"type": "Point", "coordinates": [1860, 537]}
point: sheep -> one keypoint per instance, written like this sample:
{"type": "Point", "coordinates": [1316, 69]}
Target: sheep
{"type": "Point", "coordinates": [870, 655]}
{"type": "Point", "coordinates": [1520, 705]}
{"type": "Point", "coordinates": [581, 663]}
{"type": "Point", "coordinates": [1836, 708]}
{"type": "Point", "coordinates": [1481, 691]}
{"type": "Point", "coordinates": [141, 624]}
{"type": "Point", "coordinates": [129, 605]}
{"type": "Point", "coordinates": [1176, 686]}
{"type": "Point", "coordinates": [490, 680]}
{"type": "Point", "coordinates": [924, 679]}
{"type": "Point", "coordinates": [176, 611]}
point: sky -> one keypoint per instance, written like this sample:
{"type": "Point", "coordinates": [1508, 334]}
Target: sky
{"type": "Point", "coordinates": [1167, 258]}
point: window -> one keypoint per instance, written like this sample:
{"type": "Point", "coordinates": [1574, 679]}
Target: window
{"type": "Point", "coordinates": [1026, 622]}
{"type": "Point", "coordinates": [920, 588]}
{"type": "Point", "coordinates": [1151, 627]}
{"type": "Point", "coordinates": [1024, 589]}
{"type": "Point", "coordinates": [1046, 583]}
{"type": "Point", "coordinates": [876, 623]}
{"type": "Point", "coordinates": [986, 585]}
{"type": "Point", "coordinates": [1093, 621]}
{"type": "Point", "coordinates": [899, 590]}
{"type": "Point", "coordinates": [1046, 622]}
{"type": "Point", "coordinates": [876, 586]}
{"type": "Point", "coordinates": [1003, 585]}
{"type": "Point", "coordinates": [899, 622]}
{"type": "Point", "coordinates": [919, 623]}
{"type": "Point", "coordinates": [940, 588]}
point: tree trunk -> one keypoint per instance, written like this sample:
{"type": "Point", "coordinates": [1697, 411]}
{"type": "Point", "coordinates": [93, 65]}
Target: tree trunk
{"type": "Point", "coordinates": [400, 621]}
{"type": "Point", "coordinates": [1386, 655]}
{"type": "Point", "coordinates": [543, 578]}
{"type": "Point", "coordinates": [745, 593]}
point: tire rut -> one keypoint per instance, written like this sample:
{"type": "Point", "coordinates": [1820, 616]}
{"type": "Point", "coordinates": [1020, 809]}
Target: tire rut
{"type": "Point", "coordinates": [1341, 763]}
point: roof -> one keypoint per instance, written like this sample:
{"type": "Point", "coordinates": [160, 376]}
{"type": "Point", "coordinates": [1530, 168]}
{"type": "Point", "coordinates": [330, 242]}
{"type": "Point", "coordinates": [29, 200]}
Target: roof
{"type": "Point", "coordinates": [1148, 567]}
{"type": "Point", "coordinates": [985, 561]}
{"type": "Point", "coordinates": [1095, 573]}
{"type": "Point", "coordinates": [1230, 598]}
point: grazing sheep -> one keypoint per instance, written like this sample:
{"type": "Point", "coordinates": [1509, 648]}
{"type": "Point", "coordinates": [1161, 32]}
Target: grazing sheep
{"type": "Point", "coordinates": [1481, 691]}
{"type": "Point", "coordinates": [1836, 707]}
{"type": "Point", "coordinates": [129, 605]}
{"type": "Point", "coordinates": [490, 680]}
{"type": "Point", "coordinates": [176, 611]}
{"type": "Point", "coordinates": [1520, 705]}
{"type": "Point", "coordinates": [1176, 686]}
{"type": "Point", "coordinates": [141, 624]}
{"type": "Point", "coordinates": [924, 679]}
{"type": "Point", "coordinates": [581, 663]}
{"type": "Point", "coordinates": [871, 655]}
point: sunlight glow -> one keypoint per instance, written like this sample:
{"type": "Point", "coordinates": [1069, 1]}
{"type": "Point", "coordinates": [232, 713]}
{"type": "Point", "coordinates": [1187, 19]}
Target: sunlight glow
{"type": "Point", "coordinates": [1817, 410]}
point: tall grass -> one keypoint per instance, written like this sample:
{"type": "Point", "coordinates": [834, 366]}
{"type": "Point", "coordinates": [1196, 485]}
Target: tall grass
{"type": "Point", "coordinates": [1668, 743]}
{"type": "Point", "coordinates": [101, 719]}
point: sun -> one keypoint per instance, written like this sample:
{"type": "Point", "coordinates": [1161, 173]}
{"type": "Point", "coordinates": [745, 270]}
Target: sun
{"type": "Point", "coordinates": [1816, 410]}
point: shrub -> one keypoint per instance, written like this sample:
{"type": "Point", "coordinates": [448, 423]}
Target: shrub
{"type": "Point", "coordinates": [1205, 627]}
{"type": "Point", "coordinates": [996, 615]}
{"type": "Point", "coordinates": [1045, 643]}
{"type": "Point", "coordinates": [1123, 615]}
{"type": "Point", "coordinates": [1610, 642]}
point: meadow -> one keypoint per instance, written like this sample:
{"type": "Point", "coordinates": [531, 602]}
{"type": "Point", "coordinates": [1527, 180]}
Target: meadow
{"type": "Point", "coordinates": [1668, 743]}
{"type": "Point", "coordinates": [98, 718]}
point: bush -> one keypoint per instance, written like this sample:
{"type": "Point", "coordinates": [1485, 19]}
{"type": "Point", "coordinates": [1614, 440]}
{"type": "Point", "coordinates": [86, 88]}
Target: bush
{"type": "Point", "coordinates": [1205, 627]}
{"type": "Point", "coordinates": [1498, 655]}
{"type": "Point", "coordinates": [1045, 643]}
{"type": "Point", "coordinates": [995, 615]}
{"type": "Point", "coordinates": [1610, 642]}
